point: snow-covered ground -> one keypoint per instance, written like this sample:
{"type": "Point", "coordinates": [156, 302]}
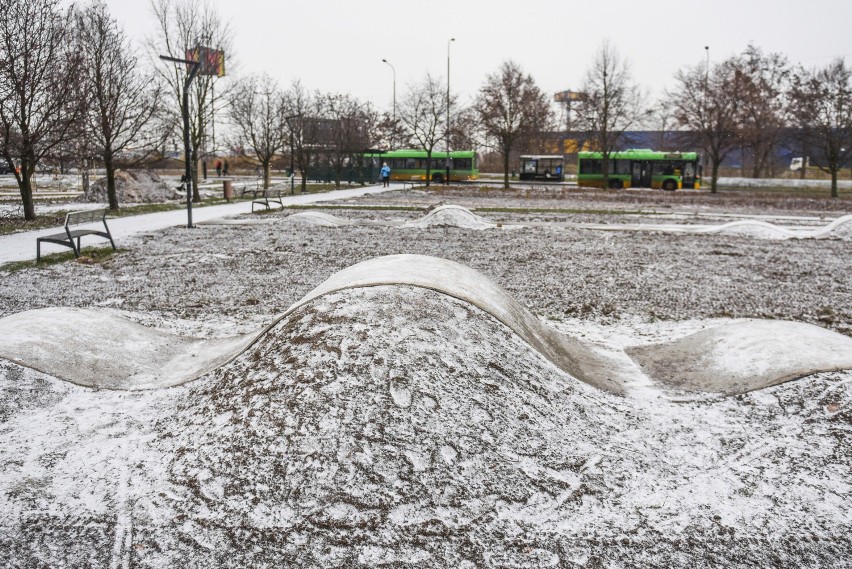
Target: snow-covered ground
{"type": "Point", "coordinates": [403, 426]}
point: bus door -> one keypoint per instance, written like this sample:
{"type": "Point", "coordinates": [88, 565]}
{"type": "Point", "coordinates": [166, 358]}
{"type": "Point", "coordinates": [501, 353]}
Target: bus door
{"type": "Point", "coordinates": [640, 172]}
{"type": "Point", "coordinates": [688, 174]}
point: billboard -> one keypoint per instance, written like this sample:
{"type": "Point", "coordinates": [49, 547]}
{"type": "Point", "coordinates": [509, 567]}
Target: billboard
{"type": "Point", "coordinates": [212, 60]}
{"type": "Point", "coordinates": [567, 96]}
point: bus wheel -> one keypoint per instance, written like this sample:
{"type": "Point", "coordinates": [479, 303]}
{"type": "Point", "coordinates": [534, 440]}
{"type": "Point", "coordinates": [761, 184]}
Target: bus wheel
{"type": "Point", "coordinates": [616, 184]}
{"type": "Point", "coordinates": [438, 178]}
{"type": "Point", "coordinates": [670, 185]}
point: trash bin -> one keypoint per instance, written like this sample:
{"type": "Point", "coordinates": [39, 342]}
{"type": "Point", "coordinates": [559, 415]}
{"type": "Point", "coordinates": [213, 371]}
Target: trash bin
{"type": "Point", "coordinates": [229, 189]}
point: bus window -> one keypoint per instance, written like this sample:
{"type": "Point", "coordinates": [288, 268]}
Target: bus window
{"type": "Point", "coordinates": [663, 168]}
{"type": "Point", "coordinates": [588, 166]}
{"type": "Point", "coordinates": [620, 167]}
{"type": "Point", "coordinates": [410, 164]}
{"type": "Point", "coordinates": [461, 163]}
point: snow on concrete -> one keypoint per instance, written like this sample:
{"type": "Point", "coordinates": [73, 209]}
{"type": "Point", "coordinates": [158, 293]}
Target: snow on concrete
{"type": "Point", "coordinates": [451, 216]}
{"type": "Point", "coordinates": [472, 286]}
{"type": "Point", "coordinates": [399, 425]}
{"type": "Point", "coordinates": [97, 349]}
{"type": "Point", "coordinates": [461, 217]}
{"type": "Point", "coordinates": [743, 356]}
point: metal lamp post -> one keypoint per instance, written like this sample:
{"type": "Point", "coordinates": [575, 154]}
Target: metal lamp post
{"type": "Point", "coordinates": [447, 177]}
{"type": "Point", "coordinates": [394, 98]}
{"type": "Point", "coordinates": [187, 176]}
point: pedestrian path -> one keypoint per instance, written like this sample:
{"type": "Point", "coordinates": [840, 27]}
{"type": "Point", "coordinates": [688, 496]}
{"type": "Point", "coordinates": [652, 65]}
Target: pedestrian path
{"type": "Point", "coordinates": [22, 246]}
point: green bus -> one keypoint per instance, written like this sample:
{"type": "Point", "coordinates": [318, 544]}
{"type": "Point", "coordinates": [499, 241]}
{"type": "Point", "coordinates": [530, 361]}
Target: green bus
{"type": "Point", "coordinates": [641, 168]}
{"type": "Point", "coordinates": [410, 165]}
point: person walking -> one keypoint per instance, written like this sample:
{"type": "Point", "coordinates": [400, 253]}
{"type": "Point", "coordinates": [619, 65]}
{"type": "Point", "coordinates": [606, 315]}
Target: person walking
{"type": "Point", "coordinates": [218, 168]}
{"type": "Point", "coordinates": [386, 175]}
{"type": "Point", "coordinates": [225, 168]}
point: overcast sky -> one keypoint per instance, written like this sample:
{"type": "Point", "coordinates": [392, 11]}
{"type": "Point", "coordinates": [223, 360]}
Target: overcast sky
{"type": "Point", "coordinates": [338, 45]}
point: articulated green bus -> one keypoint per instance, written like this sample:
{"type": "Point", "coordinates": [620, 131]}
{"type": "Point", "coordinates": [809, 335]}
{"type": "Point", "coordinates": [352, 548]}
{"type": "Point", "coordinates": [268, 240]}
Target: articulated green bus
{"type": "Point", "coordinates": [641, 168]}
{"type": "Point", "coordinates": [411, 165]}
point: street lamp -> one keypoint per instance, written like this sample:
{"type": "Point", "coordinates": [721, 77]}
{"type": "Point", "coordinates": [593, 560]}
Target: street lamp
{"type": "Point", "coordinates": [394, 98]}
{"type": "Point", "coordinates": [447, 177]}
{"type": "Point", "coordinates": [187, 176]}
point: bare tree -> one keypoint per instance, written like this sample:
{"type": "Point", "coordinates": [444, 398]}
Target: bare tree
{"type": "Point", "coordinates": [182, 26]}
{"type": "Point", "coordinates": [257, 112]}
{"type": "Point", "coordinates": [38, 110]}
{"type": "Point", "coordinates": [612, 102]}
{"type": "Point", "coordinates": [705, 102]}
{"type": "Point", "coordinates": [423, 114]}
{"type": "Point", "coordinates": [349, 131]}
{"type": "Point", "coordinates": [467, 130]}
{"type": "Point", "coordinates": [762, 86]}
{"type": "Point", "coordinates": [511, 108]}
{"type": "Point", "coordinates": [388, 132]}
{"type": "Point", "coordinates": [306, 122]}
{"type": "Point", "coordinates": [821, 103]}
{"type": "Point", "coordinates": [123, 98]}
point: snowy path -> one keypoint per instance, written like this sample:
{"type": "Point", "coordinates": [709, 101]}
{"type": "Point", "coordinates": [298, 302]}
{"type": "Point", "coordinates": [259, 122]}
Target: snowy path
{"type": "Point", "coordinates": [22, 246]}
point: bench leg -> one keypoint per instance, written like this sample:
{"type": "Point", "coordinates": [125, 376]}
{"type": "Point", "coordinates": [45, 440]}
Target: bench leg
{"type": "Point", "coordinates": [77, 250]}
{"type": "Point", "coordinates": [38, 250]}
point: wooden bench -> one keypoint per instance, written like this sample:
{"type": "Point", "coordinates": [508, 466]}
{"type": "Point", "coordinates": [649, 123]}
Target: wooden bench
{"type": "Point", "coordinates": [265, 196]}
{"type": "Point", "coordinates": [74, 219]}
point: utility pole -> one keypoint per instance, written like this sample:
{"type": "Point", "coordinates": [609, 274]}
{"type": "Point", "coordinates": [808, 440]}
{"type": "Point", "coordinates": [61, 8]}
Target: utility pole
{"type": "Point", "coordinates": [187, 175]}
{"type": "Point", "coordinates": [292, 152]}
{"type": "Point", "coordinates": [394, 100]}
{"type": "Point", "coordinates": [447, 178]}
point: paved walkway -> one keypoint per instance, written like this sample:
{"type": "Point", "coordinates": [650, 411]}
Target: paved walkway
{"type": "Point", "coordinates": [22, 246]}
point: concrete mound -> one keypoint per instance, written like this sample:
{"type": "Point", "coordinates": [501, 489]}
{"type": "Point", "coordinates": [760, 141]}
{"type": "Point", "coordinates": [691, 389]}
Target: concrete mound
{"type": "Point", "coordinates": [840, 228]}
{"type": "Point", "coordinates": [751, 228]}
{"type": "Point", "coordinates": [100, 350]}
{"type": "Point", "coordinates": [744, 356]}
{"type": "Point", "coordinates": [456, 280]}
{"type": "Point", "coordinates": [397, 426]}
{"type": "Point", "coordinates": [451, 216]}
{"type": "Point", "coordinates": [97, 349]}
{"type": "Point", "coordinates": [366, 419]}
{"type": "Point", "coordinates": [318, 218]}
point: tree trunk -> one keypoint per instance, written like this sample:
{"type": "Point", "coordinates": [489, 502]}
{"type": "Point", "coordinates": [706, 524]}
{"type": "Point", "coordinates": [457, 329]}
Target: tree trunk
{"type": "Point", "coordinates": [110, 177]}
{"type": "Point", "coordinates": [605, 169]}
{"type": "Point", "coordinates": [84, 175]}
{"type": "Point", "coordinates": [25, 185]}
{"type": "Point", "coordinates": [715, 174]}
{"type": "Point", "coordinates": [505, 168]}
{"type": "Point", "coordinates": [428, 168]}
{"type": "Point", "coordinates": [834, 169]}
{"type": "Point", "coordinates": [266, 174]}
